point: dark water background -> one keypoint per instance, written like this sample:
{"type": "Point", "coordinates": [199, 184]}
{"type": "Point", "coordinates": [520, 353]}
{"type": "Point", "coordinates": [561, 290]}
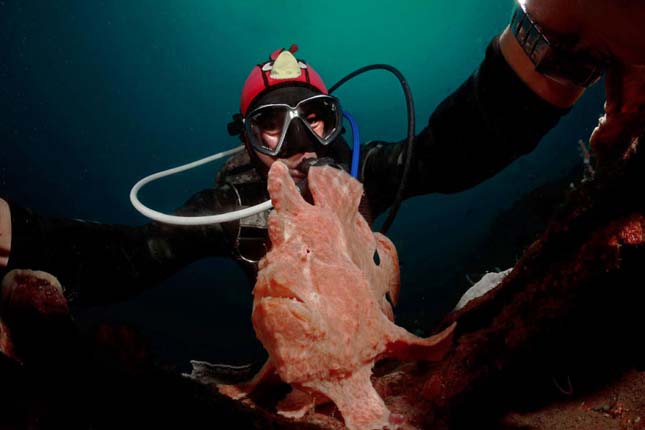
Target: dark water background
{"type": "Point", "coordinates": [96, 94]}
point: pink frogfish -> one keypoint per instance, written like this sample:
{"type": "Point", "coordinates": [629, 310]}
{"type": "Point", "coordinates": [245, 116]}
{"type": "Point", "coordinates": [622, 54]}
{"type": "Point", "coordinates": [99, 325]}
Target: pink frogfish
{"type": "Point", "coordinates": [320, 305]}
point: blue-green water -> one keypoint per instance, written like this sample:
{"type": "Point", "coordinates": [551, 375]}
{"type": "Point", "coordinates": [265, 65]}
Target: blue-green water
{"type": "Point", "coordinates": [96, 94]}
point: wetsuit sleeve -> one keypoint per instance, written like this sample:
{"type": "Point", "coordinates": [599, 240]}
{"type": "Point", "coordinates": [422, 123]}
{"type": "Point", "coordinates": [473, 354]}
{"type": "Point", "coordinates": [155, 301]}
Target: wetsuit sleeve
{"type": "Point", "coordinates": [101, 263]}
{"type": "Point", "coordinates": [490, 120]}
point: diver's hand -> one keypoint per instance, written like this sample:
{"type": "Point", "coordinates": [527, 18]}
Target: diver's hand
{"type": "Point", "coordinates": [5, 233]}
{"type": "Point", "coordinates": [611, 30]}
{"type": "Point", "coordinates": [604, 28]}
{"type": "Point", "coordinates": [624, 117]}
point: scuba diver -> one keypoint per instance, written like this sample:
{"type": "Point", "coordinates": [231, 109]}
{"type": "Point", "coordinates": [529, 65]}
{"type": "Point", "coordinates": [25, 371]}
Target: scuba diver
{"type": "Point", "coordinates": [530, 77]}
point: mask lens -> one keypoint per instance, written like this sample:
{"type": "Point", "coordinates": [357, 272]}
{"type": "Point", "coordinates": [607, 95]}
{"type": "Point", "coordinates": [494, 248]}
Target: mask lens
{"type": "Point", "coordinates": [322, 115]}
{"type": "Point", "coordinates": [265, 126]}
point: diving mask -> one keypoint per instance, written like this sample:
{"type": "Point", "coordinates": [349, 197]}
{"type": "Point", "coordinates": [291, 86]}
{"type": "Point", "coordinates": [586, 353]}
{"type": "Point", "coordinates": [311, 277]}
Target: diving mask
{"type": "Point", "coordinates": [269, 126]}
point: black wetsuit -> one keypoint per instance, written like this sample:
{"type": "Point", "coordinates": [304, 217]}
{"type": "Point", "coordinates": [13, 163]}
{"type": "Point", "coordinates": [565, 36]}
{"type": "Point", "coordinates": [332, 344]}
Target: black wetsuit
{"type": "Point", "coordinates": [491, 120]}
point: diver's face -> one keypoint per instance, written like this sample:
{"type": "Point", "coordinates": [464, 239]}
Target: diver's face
{"type": "Point", "coordinates": [271, 136]}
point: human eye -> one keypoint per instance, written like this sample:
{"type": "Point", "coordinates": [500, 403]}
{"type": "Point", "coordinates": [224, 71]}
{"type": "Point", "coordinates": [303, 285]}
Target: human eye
{"type": "Point", "coordinates": [313, 118]}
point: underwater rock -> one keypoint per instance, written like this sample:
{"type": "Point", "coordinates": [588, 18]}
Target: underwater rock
{"type": "Point", "coordinates": [571, 291]}
{"type": "Point", "coordinates": [320, 302]}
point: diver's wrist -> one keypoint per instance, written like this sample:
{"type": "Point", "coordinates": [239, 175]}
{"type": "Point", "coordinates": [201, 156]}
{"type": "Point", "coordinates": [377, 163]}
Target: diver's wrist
{"type": "Point", "coordinates": [5, 233]}
{"type": "Point", "coordinates": [557, 93]}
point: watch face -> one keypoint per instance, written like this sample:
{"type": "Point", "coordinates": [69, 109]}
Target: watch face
{"type": "Point", "coordinates": [553, 59]}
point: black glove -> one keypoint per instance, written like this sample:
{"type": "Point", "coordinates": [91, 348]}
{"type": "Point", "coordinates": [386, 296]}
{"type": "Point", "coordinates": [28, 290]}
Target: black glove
{"type": "Point", "coordinates": [310, 162]}
{"type": "Point", "coordinates": [304, 167]}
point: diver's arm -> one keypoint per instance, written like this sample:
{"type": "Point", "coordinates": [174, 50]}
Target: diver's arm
{"type": "Point", "coordinates": [5, 233]}
{"type": "Point", "coordinates": [99, 263]}
{"type": "Point", "coordinates": [490, 120]}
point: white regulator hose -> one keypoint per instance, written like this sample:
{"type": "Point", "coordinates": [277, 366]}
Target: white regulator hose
{"type": "Point", "coordinates": [195, 220]}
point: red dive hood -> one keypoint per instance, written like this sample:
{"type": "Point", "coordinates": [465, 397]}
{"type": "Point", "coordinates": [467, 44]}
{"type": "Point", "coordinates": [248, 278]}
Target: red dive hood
{"type": "Point", "coordinates": [282, 67]}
